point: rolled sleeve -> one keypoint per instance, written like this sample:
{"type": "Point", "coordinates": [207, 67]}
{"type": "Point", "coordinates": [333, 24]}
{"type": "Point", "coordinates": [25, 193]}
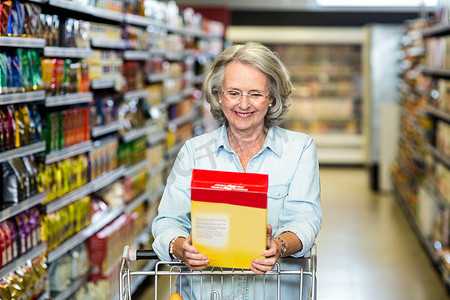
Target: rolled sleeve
{"type": "Point", "coordinates": [302, 213]}
{"type": "Point", "coordinates": [174, 209]}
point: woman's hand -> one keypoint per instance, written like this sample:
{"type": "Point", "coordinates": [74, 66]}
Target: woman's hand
{"type": "Point", "coordinates": [273, 252]}
{"type": "Point", "coordinates": [189, 254]}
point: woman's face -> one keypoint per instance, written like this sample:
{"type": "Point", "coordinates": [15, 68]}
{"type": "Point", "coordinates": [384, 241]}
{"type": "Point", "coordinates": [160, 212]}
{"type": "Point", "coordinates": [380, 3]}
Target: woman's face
{"type": "Point", "coordinates": [245, 115]}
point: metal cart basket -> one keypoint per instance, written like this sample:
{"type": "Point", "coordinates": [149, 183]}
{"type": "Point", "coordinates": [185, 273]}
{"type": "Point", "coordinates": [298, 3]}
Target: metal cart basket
{"type": "Point", "coordinates": [306, 272]}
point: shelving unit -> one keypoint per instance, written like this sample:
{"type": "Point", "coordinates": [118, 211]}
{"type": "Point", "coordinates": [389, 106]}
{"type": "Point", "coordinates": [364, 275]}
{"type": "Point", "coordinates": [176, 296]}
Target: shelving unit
{"type": "Point", "coordinates": [326, 74]}
{"type": "Point", "coordinates": [421, 172]}
{"type": "Point", "coordinates": [154, 131]}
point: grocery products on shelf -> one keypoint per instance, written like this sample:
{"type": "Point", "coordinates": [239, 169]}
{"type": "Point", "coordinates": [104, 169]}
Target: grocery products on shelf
{"type": "Point", "coordinates": [421, 170]}
{"type": "Point", "coordinates": [87, 91]}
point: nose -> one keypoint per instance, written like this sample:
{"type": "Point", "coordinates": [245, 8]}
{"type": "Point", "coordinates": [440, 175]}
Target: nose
{"type": "Point", "coordinates": [244, 103]}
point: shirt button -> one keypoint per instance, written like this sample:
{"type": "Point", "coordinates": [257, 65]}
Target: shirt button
{"type": "Point", "coordinates": [251, 164]}
{"type": "Point", "coordinates": [278, 193]}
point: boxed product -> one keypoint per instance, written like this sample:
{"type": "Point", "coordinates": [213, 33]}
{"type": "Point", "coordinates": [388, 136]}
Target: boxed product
{"type": "Point", "coordinates": [229, 216]}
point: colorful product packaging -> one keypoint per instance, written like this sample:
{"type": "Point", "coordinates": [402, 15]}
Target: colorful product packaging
{"type": "Point", "coordinates": [229, 209]}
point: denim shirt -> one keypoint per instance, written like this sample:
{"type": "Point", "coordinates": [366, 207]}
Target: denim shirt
{"type": "Point", "coordinates": [290, 160]}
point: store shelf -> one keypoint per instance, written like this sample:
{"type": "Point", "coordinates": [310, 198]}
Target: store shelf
{"type": "Point", "coordinates": [173, 99]}
{"type": "Point", "coordinates": [74, 286]}
{"type": "Point", "coordinates": [70, 5]}
{"type": "Point", "coordinates": [340, 156]}
{"type": "Point", "coordinates": [34, 252]}
{"type": "Point", "coordinates": [416, 227]}
{"type": "Point", "coordinates": [107, 83]}
{"type": "Point", "coordinates": [172, 152]}
{"type": "Point", "coordinates": [134, 134]}
{"type": "Point", "coordinates": [440, 114]}
{"type": "Point", "coordinates": [135, 94]}
{"type": "Point", "coordinates": [22, 151]}
{"type": "Point", "coordinates": [107, 178]}
{"type": "Point", "coordinates": [33, 96]}
{"type": "Point", "coordinates": [156, 137]}
{"type": "Point", "coordinates": [338, 140]}
{"type": "Point", "coordinates": [141, 21]}
{"type": "Point", "coordinates": [157, 194]}
{"type": "Point", "coordinates": [440, 201]}
{"type": "Point", "coordinates": [157, 52]}
{"type": "Point", "coordinates": [21, 42]}
{"type": "Point", "coordinates": [106, 14]}
{"type": "Point", "coordinates": [439, 156]}
{"type": "Point", "coordinates": [181, 120]}
{"type": "Point", "coordinates": [156, 77]}
{"type": "Point", "coordinates": [65, 52]}
{"type": "Point", "coordinates": [437, 30]}
{"type": "Point", "coordinates": [108, 43]}
{"type": "Point", "coordinates": [68, 152]}
{"type": "Point", "coordinates": [67, 199]}
{"type": "Point", "coordinates": [89, 188]}
{"type": "Point", "coordinates": [22, 206]}
{"type": "Point", "coordinates": [130, 170]}
{"type": "Point", "coordinates": [136, 55]}
{"type": "Point", "coordinates": [83, 235]}
{"type": "Point", "coordinates": [106, 129]}
{"type": "Point", "coordinates": [68, 99]}
{"type": "Point", "coordinates": [439, 73]}
{"type": "Point", "coordinates": [157, 169]}
{"type": "Point", "coordinates": [136, 202]}
{"type": "Point", "coordinates": [176, 56]}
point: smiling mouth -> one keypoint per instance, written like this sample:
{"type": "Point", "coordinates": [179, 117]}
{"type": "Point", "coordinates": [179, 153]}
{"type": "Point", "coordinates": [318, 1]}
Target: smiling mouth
{"type": "Point", "coordinates": [243, 115]}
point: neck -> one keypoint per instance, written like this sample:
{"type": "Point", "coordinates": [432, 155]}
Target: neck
{"type": "Point", "coordinates": [247, 143]}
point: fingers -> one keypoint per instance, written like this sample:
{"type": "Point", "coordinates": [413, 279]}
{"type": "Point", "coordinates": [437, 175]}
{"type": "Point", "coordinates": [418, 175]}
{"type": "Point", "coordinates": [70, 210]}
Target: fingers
{"type": "Point", "coordinates": [261, 266]}
{"type": "Point", "coordinates": [193, 259]}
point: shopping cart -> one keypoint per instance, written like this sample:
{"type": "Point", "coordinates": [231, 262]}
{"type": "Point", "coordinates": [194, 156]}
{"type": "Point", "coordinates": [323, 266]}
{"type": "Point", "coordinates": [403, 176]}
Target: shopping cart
{"type": "Point", "coordinates": [307, 270]}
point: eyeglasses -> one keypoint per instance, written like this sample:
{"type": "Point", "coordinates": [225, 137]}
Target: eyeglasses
{"type": "Point", "coordinates": [236, 96]}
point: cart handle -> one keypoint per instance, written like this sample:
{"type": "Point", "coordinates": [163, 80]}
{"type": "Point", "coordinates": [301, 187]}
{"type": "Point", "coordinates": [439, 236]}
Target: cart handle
{"type": "Point", "coordinates": [135, 254]}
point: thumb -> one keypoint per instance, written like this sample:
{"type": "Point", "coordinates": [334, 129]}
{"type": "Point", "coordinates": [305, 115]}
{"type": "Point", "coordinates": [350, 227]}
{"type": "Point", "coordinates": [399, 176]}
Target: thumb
{"type": "Point", "coordinates": [269, 236]}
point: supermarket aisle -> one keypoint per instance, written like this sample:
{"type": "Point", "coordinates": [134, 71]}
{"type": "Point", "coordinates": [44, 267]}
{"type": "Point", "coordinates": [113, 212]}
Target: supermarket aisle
{"type": "Point", "coordinates": [366, 249]}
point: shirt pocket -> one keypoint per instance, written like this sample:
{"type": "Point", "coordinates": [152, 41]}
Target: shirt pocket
{"type": "Point", "coordinates": [278, 192]}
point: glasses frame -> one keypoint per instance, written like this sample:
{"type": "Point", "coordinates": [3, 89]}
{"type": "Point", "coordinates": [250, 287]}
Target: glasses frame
{"type": "Point", "coordinates": [225, 93]}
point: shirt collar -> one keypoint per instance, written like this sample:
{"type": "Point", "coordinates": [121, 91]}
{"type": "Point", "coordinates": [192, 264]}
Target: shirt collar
{"type": "Point", "coordinates": [273, 140]}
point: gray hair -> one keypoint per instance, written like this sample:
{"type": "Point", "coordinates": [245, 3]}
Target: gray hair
{"type": "Point", "coordinates": [262, 58]}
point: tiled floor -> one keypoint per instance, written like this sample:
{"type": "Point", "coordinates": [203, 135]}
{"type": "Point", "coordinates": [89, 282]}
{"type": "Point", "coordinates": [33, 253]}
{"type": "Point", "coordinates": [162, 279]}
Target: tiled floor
{"type": "Point", "coordinates": [366, 248]}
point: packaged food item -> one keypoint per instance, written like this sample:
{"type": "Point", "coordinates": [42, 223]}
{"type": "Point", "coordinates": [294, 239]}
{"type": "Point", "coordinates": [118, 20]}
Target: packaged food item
{"type": "Point", "coordinates": [27, 75]}
{"type": "Point", "coordinates": [11, 127]}
{"type": "Point", "coordinates": [8, 241]}
{"type": "Point", "coordinates": [17, 76]}
{"type": "Point", "coordinates": [6, 11]}
{"type": "Point", "coordinates": [36, 68]}
{"type": "Point", "coordinates": [17, 285]}
{"type": "Point", "coordinates": [13, 186]}
{"type": "Point", "coordinates": [9, 73]}
{"type": "Point", "coordinates": [14, 238]}
{"type": "Point", "coordinates": [35, 224]}
{"type": "Point", "coordinates": [25, 177]}
{"type": "Point", "coordinates": [3, 73]}
{"type": "Point", "coordinates": [35, 118]}
{"type": "Point", "coordinates": [20, 128]}
{"type": "Point", "coordinates": [39, 274]}
{"type": "Point", "coordinates": [16, 17]}
{"type": "Point", "coordinates": [2, 142]}
{"type": "Point", "coordinates": [59, 274]}
{"type": "Point", "coordinates": [33, 172]}
{"type": "Point", "coordinates": [47, 72]}
{"type": "Point", "coordinates": [3, 257]}
{"type": "Point", "coordinates": [5, 291]}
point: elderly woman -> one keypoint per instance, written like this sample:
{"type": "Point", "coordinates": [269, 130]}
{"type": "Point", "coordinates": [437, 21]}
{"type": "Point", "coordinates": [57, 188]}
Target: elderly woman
{"type": "Point", "coordinates": [248, 89]}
